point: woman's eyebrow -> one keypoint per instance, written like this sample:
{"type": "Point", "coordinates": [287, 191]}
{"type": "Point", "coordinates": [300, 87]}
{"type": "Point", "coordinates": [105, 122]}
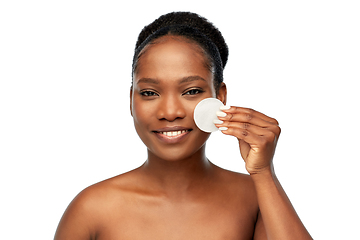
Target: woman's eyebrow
{"type": "Point", "coordinates": [182, 80]}
{"type": "Point", "coordinates": [191, 78]}
{"type": "Point", "coordinates": [148, 80]}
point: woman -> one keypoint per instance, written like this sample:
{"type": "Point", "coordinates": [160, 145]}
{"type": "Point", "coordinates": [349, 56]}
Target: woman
{"type": "Point", "coordinates": [178, 193]}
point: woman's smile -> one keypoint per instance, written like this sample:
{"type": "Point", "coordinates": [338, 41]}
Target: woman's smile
{"type": "Point", "coordinates": [172, 135]}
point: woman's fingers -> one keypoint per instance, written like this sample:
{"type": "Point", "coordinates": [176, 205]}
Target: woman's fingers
{"type": "Point", "coordinates": [251, 126]}
{"type": "Point", "coordinates": [253, 135]}
{"type": "Point", "coordinates": [243, 134]}
{"type": "Point", "coordinates": [245, 127]}
{"type": "Point", "coordinates": [246, 115]}
{"type": "Point", "coordinates": [248, 120]}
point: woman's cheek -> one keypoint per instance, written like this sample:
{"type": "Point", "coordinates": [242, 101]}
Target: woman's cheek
{"type": "Point", "coordinates": [143, 115]}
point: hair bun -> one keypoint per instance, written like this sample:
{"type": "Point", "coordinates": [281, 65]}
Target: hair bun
{"type": "Point", "coordinates": [192, 20]}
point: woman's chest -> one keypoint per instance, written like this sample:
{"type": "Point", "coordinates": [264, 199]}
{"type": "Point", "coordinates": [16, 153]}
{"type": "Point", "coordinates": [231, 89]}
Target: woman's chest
{"type": "Point", "coordinates": [180, 221]}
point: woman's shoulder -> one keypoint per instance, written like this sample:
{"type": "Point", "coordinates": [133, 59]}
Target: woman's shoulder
{"type": "Point", "coordinates": [99, 199]}
{"type": "Point", "coordinates": [237, 190]}
{"type": "Point", "coordinates": [91, 199]}
{"type": "Point", "coordinates": [92, 207]}
{"type": "Point", "coordinates": [238, 184]}
{"type": "Point", "coordinates": [115, 187]}
{"type": "Point", "coordinates": [234, 177]}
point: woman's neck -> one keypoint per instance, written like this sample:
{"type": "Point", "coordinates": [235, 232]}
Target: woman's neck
{"type": "Point", "coordinates": [178, 177]}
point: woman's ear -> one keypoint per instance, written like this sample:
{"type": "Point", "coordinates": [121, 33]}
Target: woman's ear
{"type": "Point", "coordinates": [131, 93]}
{"type": "Point", "coordinates": [222, 94]}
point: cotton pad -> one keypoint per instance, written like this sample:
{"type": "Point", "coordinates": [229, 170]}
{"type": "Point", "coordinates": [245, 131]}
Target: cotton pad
{"type": "Point", "coordinates": [205, 114]}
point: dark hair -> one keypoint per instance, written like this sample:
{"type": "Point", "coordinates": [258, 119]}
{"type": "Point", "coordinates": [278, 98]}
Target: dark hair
{"type": "Point", "coordinates": [194, 28]}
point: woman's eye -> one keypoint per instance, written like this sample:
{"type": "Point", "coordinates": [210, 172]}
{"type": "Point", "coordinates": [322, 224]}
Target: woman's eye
{"type": "Point", "coordinates": [148, 93]}
{"type": "Point", "coordinates": [193, 91]}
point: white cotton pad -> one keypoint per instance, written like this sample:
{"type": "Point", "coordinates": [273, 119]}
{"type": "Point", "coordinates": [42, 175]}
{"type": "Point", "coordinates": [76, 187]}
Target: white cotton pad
{"type": "Point", "coordinates": [205, 114]}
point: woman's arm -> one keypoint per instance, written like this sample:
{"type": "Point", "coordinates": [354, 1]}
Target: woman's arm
{"type": "Point", "coordinates": [258, 135]}
{"type": "Point", "coordinates": [278, 215]}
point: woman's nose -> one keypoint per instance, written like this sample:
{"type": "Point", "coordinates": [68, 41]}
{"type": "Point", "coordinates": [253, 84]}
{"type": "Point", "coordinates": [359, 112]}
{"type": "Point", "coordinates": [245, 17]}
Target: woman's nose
{"type": "Point", "coordinates": [171, 108]}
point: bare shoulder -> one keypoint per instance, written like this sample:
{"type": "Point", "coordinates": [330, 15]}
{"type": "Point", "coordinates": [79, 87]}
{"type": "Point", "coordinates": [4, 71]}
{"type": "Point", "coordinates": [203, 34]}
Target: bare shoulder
{"type": "Point", "coordinates": [115, 189]}
{"type": "Point", "coordinates": [235, 177]}
{"type": "Point", "coordinates": [236, 195]}
{"type": "Point", "coordinates": [90, 208]}
{"type": "Point", "coordinates": [240, 186]}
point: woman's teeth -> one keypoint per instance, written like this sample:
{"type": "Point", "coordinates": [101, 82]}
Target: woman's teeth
{"type": "Point", "coordinates": [173, 133]}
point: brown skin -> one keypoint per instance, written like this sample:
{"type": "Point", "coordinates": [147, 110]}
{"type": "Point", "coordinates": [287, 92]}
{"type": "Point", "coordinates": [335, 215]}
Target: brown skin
{"type": "Point", "coordinates": [178, 193]}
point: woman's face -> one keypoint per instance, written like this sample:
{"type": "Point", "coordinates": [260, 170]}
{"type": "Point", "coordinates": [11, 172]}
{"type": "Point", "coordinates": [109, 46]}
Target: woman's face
{"type": "Point", "coordinates": [170, 79]}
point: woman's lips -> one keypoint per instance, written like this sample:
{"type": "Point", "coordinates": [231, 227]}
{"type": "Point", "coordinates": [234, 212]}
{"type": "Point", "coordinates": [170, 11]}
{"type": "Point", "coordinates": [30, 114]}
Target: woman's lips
{"type": "Point", "coordinates": [172, 134]}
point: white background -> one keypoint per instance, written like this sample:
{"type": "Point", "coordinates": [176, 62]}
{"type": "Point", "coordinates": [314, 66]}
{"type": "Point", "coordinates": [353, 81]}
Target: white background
{"type": "Point", "coordinates": [65, 71]}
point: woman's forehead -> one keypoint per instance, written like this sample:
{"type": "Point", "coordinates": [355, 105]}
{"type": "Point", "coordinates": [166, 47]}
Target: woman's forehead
{"type": "Point", "coordinates": [171, 56]}
{"type": "Point", "coordinates": [171, 42]}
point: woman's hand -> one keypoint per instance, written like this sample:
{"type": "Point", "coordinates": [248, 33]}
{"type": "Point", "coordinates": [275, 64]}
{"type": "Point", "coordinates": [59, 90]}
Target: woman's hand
{"type": "Point", "coordinates": [257, 135]}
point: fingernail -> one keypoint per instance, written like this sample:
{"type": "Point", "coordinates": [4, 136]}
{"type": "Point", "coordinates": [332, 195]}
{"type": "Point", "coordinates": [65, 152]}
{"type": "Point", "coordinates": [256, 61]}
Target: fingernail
{"type": "Point", "coordinates": [220, 114]}
{"type": "Point", "coordinates": [217, 121]}
{"type": "Point", "coordinates": [225, 107]}
{"type": "Point", "coordinates": [223, 128]}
